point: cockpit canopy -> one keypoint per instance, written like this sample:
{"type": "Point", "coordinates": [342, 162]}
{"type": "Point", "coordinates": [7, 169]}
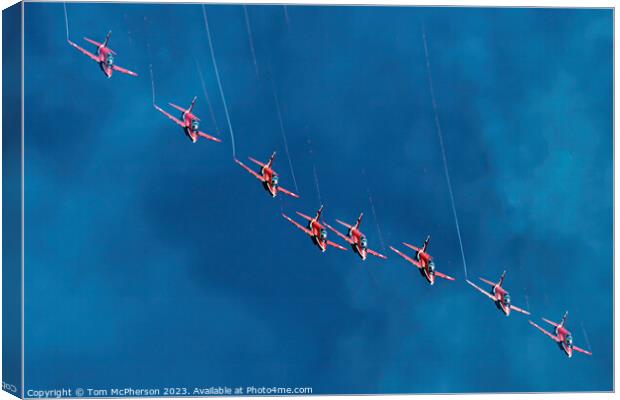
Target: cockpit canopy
{"type": "Point", "coordinates": [323, 234]}
{"type": "Point", "coordinates": [274, 180]}
{"type": "Point", "coordinates": [431, 266]}
{"type": "Point", "coordinates": [507, 299]}
{"type": "Point", "coordinates": [364, 242]}
{"type": "Point", "coordinates": [109, 60]}
{"type": "Point", "coordinates": [569, 340]}
{"type": "Point", "coordinates": [195, 125]}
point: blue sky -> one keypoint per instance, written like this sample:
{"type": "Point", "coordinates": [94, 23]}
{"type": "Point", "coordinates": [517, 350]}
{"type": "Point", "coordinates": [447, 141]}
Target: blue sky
{"type": "Point", "coordinates": [152, 261]}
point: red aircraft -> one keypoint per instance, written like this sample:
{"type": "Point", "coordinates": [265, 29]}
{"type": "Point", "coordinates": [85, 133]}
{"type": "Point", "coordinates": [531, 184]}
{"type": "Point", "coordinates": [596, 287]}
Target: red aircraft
{"type": "Point", "coordinates": [315, 230]}
{"type": "Point", "coordinates": [423, 261]}
{"type": "Point", "coordinates": [190, 123]}
{"type": "Point", "coordinates": [356, 239]}
{"type": "Point", "coordinates": [268, 176]}
{"type": "Point", "coordinates": [499, 295]}
{"type": "Point", "coordinates": [562, 336]}
{"type": "Point", "coordinates": [105, 56]}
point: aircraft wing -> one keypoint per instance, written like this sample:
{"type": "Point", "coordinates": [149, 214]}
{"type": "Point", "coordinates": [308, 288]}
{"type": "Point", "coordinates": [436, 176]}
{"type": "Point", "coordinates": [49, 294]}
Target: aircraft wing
{"type": "Point", "coordinates": [123, 70]}
{"type": "Point", "coordinates": [88, 53]}
{"type": "Point", "coordinates": [412, 247]}
{"type": "Point", "coordinates": [488, 282]}
{"type": "Point", "coordinates": [374, 253]}
{"type": "Point", "coordinates": [344, 224]}
{"type": "Point", "coordinates": [544, 331]}
{"type": "Point", "coordinates": [207, 136]}
{"type": "Point", "coordinates": [260, 178]}
{"type": "Point", "coordinates": [169, 116]}
{"type": "Point", "coordinates": [346, 238]}
{"type": "Point", "coordinates": [306, 230]}
{"type": "Point", "coordinates": [98, 44]}
{"type": "Point", "coordinates": [303, 216]}
{"type": "Point", "coordinates": [336, 245]}
{"type": "Point", "coordinates": [517, 309]}
{"type": "Point", "coordinates": [550, 322]}
{"type": "Point", "coordinates": [281, 189]}
{"type": "Point", "coordinates": [481, 290]}
{"type": "Point", "coordinates": [181, 109]}
{"type": "Point", "coordinates": [444, 276]}
{"type": "Point", "coordinates": [406, 257]}
{"type": "Point", "coordinates": [255, 161]}
{"type": "Point", "coordinates": [579, 349]}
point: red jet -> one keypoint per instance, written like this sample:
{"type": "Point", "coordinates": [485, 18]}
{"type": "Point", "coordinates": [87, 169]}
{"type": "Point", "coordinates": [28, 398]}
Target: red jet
{"type": "Point", "coordinates": [105, 56]}
{"type": "Point", "coordinates": [190, 123]}
{"type": "Point", "coordinates": [499, 295]}
{"type": "Point", "coordinates": [562, 336]}
{"type": "Point", "coordinates": [315, 230]}
{"type": "Point", "coordinates": [356, 239]}
{"type": "Point", "coordinates": [423, 261]}
{"type": "Point", "coordinates": [268, 176]}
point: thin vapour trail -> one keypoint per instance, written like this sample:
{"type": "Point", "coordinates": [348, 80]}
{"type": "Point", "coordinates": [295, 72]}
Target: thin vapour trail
{"type": "Point", "coordinates": [152, 82]}
{"type": "Point", "coordinates": [527, 300]}
{"type": "Point", "coordinates": [374, 213]}
{"type": "Point", "coordinates": [286, 16]}
{"type": "Point", "coordinates": [250, 37]}
{"type": "Point", "coordinates": [316, 183]}
{"type": "Point", "coordinates": [204, 90]}
{"type": "Point", "coordinates": [148, 51]}
{"type": "Point", "coordinates": [277, 101]}
{"type": "Point", "coordinates": [64, 5]}
{"type": "Point", "coordinates": [316, 177]}
{"type": "Point", "coordinates": [219, 82]}
{"type": "Point", "coordinates": [585, 336]}
{"type": "Point", "coordinates": [443, 150]}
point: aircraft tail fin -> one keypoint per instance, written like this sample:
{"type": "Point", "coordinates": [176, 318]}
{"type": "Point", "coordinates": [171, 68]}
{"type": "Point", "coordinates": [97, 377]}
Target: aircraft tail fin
{"type": "Point", "coordinates": [318, 213]}
{"type": "Point", "coordinates": [359, 221]}
{"type": "Point", "coordinates": [501, 279]}
{"type": "Point", "coordinates": [107, 39]}
{"type": "Point", "coordinates": [426, 243]}
{"type": "Point", "coordinates": [191, 106]}
{"type": "Point", "coordinates": [564, 318]}
{"type": "Point", "coordinates": [271, 159]}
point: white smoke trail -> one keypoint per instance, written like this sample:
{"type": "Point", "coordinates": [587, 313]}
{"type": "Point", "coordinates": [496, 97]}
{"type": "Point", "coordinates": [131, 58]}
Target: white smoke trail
{"type": "Point", "coordinates": [374, 213]}
{"type": "Point", "coordinates": [527, 301]}
{"type": "Point", "coordinates": [250, 37]}
{"type": "Point", "coordinates": [290, 164]}
{"type": "Point", "coordinates": [443, 150]}
{"type": "Point", "coordinates": [204, 90]}
{"type": "Point", "coordinates": [64, 5]}
{"type": "Point", "coordinates": [219, 82]}
{"type": "Point", "coordinates": [316, 177]}
{"type": "Point", "coordinates": [288, 21]}
{"type": "Point", "coordinates": [316, 183]}
{"type": "Point", "coordinates": [585, 336]}
{"type": "Point", "coordinates": [152, 82]}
